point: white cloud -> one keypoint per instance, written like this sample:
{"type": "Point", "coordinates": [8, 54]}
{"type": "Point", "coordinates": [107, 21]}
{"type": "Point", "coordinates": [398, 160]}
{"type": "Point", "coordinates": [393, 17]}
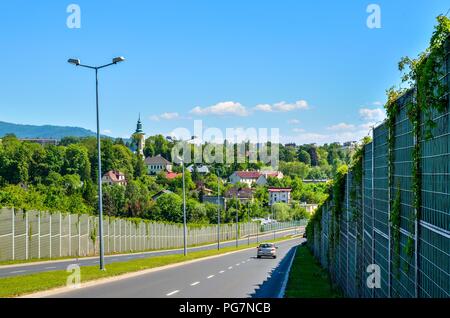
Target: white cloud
{"type": "Point", "coordinates": [264, 108]}
{"type": "Point", "coordinates": [298, 130]}
{"type": "Point", "coordinates": [377, 103]}
{"type": "Point", "coordinates": [376, 114]}
{"type": "Point", "coordinates": [286, 107]}
{"type": "Point", "coordinates": [293, 122]}
{"type": "Point", "coordinates": [342, 127]}
{"type": "Point", "coordinates": [165, 116]}
{"type": "Point", "coordinates": [221, 109]}
{"type": "Point", "coordinates": [107, 131]}
{"type": "Point", "coordinates": [282, 106]}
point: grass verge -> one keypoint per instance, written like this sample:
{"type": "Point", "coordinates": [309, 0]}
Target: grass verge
{"type": "Point", "coordinates": [308, 279]}
{"type": "Point", "coordinates": [26, 284]}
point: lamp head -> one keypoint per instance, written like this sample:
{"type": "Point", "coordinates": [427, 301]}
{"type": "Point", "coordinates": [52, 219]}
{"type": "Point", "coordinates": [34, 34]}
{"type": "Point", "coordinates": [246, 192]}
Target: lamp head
{"type": "Point", "coordinates": [74, 61]}
{"type": "Point", "coordinates": [118, 59]}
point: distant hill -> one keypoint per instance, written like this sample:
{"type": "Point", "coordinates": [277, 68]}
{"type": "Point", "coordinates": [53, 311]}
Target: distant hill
{"type": "Point", "coordinates": [46, 131]}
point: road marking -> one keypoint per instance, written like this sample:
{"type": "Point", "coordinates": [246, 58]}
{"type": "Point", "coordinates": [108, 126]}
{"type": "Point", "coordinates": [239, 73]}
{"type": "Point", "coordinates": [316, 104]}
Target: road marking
{"type": "Point", "coordinates": [17, 272]}
{"type": "Point", "coordinates": [173, 293]}
{"type": "Point", "coordinates": [114, 259]}
{"type": "Point", "coordinates": [238, 264]}
{"type": "Point", "coordinates": [231, 267]}
{"type": "Point", "coordinates": [243, 262]}
{"type": "Point", "coordinates": [194, 284]}
{"type": "Point", "coordinates": [221, 272]}
{"type": "Point", "coordinates": [211, 276]}
{"type": "Point", "coordinates": [50, 267]}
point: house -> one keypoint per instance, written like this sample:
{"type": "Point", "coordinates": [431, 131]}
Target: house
{"type": "Point", "coordinates": [254, 177]}
{"type": "Point", "coordinates": [242, 194]}
{"type": "Point", "coordinates": [310, 208]}
{"type": "Point", "coordinates": [160, 193]}
{"type": "Point", "coordinates": [114, 177]}
{"type": "Point", "coordinates": [172, 175]}
{"type": "Point", "coordinates": [200, 169]}
{"type": "Point", "coordinates": [157, 164]}
{"type": "Point", "coordinates": [201, 188]}
{"type": "Point", "coordinates": [277, 195]}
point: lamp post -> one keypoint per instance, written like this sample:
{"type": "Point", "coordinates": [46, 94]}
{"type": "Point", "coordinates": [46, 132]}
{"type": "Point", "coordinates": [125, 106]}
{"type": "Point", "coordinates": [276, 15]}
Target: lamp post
{"type": "Point", "coordinates": [237, 221]}
{"type": "Point", "coordinates": [77, 62]}
{"type": "Point", "coordinates": [248, 222]}
{"type": "Point", "coordinates": [218, 211]}
{"type": "Point", "coordinates": [184, 197]}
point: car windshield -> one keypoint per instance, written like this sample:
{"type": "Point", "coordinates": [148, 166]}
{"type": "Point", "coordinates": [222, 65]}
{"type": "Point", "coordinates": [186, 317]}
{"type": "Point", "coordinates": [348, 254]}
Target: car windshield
{"type": "Point", "coordinates": [266, 245]}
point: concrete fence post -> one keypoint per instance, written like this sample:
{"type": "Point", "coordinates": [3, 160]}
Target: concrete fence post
{"type": "Point", "coordinates": [60, 235]}
{"type": "Point", "coordinates": [26, 235]}
{"type": "Point", "coordinates": [13, 221]}
{"type": "Point", "coordinates": [70, 234]}
{"type": "Point", "coordinates": [50, 233]}
{"type": "Point", "coordinates": [39, 234]}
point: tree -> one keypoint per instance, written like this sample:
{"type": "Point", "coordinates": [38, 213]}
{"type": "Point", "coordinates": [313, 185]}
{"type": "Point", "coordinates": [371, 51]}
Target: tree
{"type": "Point", "coordinates": [76, 161]}
{"type": "Point", "coordinates": [170, 207]}
{"type": "Point", "coordinates": [304, 156]}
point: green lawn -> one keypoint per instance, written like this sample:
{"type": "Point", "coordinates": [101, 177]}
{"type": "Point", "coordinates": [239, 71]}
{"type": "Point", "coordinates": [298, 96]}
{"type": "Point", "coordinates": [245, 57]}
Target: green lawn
{"type": "Point", "coordinates": [308, 279]}
{"type": "Point", "coordinates": [20, 285]}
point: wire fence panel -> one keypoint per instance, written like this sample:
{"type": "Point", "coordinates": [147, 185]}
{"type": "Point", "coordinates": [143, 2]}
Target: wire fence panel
{"type": "Point", "coordinates": [418, 263]}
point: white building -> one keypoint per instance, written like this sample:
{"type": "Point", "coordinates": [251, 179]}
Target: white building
{"type": "Point", "coordinates": [157, 164]}
{"type": "Point", "coordinates": [277, 195]}
{"type": "Point", "coordinates": [254, 177]}
{"type": "Point", "coordinates": [114, 177]}
{"type": "Point", "coordinates": [200, 169]}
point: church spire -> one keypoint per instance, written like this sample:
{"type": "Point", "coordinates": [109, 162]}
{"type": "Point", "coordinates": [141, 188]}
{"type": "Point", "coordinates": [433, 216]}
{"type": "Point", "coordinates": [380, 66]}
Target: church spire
{"type": "Point", "coordinates": [139, 126]}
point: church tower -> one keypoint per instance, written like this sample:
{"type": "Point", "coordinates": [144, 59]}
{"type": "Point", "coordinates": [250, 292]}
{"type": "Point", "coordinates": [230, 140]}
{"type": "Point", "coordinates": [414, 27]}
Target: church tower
{"type": "Point", "coordinates": [139, 137]}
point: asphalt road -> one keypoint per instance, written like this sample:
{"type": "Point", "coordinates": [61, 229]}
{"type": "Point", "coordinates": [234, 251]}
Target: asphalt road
{"type": "Point", "coordinates": [237, 275]}
{"type": "Point", "coordinates": [25, 269]}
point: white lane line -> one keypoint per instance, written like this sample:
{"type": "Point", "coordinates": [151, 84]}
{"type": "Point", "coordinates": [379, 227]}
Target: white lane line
{"type": "Point", "coordinates": [210, 276]}
{"type": "Point", "coordinates": [231, 267]}
{"type": "Point", "coordinates": [243, 262]}
{"type": "Point", "coordinates": [221, 272]}
{"type": "Point", "coordinates": [51, 267]}
{"type": "Point", "coordinates": [173, 293]}
{"type": "Point", "coordinates": [194, 284]}
{"type": "Point", "coordinates": [238, 264]}
{"type": "Point", "coordinates": [17, 272]}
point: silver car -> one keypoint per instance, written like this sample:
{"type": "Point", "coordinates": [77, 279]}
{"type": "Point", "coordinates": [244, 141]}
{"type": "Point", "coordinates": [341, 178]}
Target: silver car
{"type": "Point", "coordinates": [267, 250]}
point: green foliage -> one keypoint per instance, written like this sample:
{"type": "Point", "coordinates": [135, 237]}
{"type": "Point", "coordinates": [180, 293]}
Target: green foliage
{"type": "Point", "coordinates": [395, 219]}
{"type": "Point", "coordinates": [425, 75]}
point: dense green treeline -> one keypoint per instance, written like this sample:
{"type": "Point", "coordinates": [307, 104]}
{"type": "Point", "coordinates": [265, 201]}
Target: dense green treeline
{"type": "Point", "coordinates": [64, 178]}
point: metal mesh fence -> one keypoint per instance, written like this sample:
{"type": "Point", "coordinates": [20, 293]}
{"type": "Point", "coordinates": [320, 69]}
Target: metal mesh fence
{"type": "Point", "coordinates": [365, 237]}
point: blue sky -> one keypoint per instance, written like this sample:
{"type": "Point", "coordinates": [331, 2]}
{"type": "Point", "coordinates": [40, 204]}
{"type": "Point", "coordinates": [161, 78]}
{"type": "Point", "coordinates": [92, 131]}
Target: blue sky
{"type": "Point", "coordinates": [313, 69]}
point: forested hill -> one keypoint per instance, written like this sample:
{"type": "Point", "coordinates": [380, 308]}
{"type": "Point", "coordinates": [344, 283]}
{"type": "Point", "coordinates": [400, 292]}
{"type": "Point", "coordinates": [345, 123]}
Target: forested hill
{"type": "Point", "coordinates": [46, 131]}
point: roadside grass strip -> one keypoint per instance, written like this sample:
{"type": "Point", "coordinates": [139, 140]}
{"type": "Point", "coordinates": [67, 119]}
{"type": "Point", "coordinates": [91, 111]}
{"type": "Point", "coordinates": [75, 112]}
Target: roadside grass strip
{"type": "Point", "coordinates": [30, 283]}
{"type": "Point", "coordinates": [308, 279]}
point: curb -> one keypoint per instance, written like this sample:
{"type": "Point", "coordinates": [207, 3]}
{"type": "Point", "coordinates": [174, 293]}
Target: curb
{"type": "Point", "coordinates": [286, 276]}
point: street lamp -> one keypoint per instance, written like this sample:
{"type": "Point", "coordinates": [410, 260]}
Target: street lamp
{"type": "Point", "coordinates": [77, 62]}
{"type": "Point", "coordinates": [184, 196]}
{"type": "Point", "coordinates": [218, 211]}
